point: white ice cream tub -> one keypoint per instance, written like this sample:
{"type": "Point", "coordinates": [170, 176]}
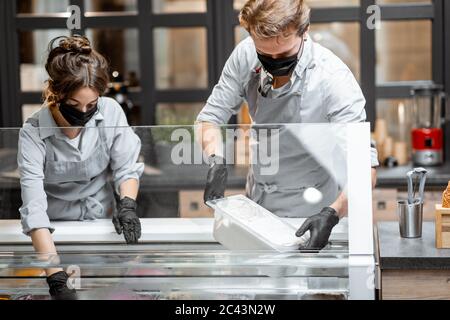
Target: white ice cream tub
{"type": "Point", "coordinates": [242, 224]}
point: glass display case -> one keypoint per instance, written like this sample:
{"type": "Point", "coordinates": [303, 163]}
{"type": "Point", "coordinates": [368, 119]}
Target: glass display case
{"type": "Point", "coordinates": [183, 272]}
{"type": "Point", "coordinates": [178, 257]}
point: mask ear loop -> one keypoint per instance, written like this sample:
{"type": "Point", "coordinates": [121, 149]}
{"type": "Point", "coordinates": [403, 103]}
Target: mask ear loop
{"type": "Point", "coordinates": [302, 48]}
{"type": "Point", "coordinates": [266, 87]}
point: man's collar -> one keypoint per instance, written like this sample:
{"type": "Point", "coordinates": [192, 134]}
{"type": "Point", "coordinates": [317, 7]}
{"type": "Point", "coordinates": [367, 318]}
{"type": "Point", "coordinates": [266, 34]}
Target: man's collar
{"type": "Point", "coordinates": [306, 56]}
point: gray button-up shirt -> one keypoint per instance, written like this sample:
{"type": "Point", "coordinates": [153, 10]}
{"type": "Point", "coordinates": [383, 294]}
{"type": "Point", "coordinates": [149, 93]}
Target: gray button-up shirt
{"type": "Point", "coordinates": [122, 144]}
{"type": "Point", "coordinates": [332, 93]}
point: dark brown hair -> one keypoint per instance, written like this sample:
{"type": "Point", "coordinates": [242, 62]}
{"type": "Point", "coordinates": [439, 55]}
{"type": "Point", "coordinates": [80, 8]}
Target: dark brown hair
{"type": "Point", "coordinates": [73, 64]}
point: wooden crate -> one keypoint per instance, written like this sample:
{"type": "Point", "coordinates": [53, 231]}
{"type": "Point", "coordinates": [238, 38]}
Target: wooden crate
{"type": "Point", "coordinates": [415, 285]}
{"type": "Point", "coordinates": [442, 227]}
{"type": "Point", "coordinates": [192, 205]}
{"type": "Point", "coordinates": [384, 203]}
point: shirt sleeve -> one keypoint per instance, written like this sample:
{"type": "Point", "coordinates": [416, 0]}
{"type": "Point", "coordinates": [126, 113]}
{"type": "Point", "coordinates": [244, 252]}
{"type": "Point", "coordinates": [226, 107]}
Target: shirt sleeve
{"type": "Point", "coordinates": [30, 159]}
{"type": "Point", "coordinates": [346, 103]}
{"type": "Point", "coordinates": [228, 95]}
{"type": "Point", "coordinates": [125, 151]}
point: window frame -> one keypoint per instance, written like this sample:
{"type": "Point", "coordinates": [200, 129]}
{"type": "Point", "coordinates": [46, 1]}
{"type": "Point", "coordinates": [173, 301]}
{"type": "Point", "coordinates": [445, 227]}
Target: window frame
{"type": "Point", "coordinates": [438, 12]}
{"type": "Point", "coordinates": [220, 20]}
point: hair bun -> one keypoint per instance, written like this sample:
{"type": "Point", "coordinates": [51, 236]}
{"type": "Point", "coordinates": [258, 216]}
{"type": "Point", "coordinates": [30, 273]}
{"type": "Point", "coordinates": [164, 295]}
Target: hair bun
{"type": "Point", "coordinates": [76, 44]}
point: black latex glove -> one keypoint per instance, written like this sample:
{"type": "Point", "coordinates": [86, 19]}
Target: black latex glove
{"type": "Point", "coordinates": [320, 226]}
{"type": "Point", "coordinates": [125, 220]}
{"type": "Point", "coordinates": [59, 290]}
{"type": "Point", "coordinates": [216, 180]}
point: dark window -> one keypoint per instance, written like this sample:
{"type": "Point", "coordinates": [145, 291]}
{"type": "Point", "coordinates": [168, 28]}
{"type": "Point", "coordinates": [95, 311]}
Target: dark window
{"type": "Point", "coordinates": [174, 50]}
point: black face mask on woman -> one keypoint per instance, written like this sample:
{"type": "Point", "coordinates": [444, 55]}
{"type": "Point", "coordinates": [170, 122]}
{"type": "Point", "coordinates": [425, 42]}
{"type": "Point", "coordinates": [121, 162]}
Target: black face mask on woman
{"type": "Point", "coordinates": [280, 67]}
{"type": "Point", "coordinates": [75, 117]}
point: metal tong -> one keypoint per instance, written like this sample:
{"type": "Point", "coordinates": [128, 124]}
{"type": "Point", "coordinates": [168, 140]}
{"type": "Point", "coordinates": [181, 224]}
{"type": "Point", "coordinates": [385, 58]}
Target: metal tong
{"type": "Point", "coordinates": [416, 177]}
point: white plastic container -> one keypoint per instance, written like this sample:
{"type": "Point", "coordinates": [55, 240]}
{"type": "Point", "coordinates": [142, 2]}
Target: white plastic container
{"type": "Point", "coordinates": [241, 224]}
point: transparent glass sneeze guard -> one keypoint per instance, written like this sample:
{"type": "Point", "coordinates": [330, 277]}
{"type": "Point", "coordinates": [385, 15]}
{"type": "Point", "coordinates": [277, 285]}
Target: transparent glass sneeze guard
{"type": "Point", "coordinates": [173, 162]}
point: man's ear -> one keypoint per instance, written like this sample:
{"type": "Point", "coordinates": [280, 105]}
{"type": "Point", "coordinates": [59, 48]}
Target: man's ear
{"type": "Point", "coordinates": [306, 33]}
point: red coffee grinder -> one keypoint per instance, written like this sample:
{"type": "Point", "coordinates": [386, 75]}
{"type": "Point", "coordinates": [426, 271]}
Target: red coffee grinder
{"type": "Point", "coordinates": [427, 134]}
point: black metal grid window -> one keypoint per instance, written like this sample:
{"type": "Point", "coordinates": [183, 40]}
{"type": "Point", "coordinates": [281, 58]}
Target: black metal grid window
{"type": "Point", "coordinates": [398, 12]}
{"type": "Point", "coordinates": [145, 21]}
{"type": "Point", "coordinates": [219, 20]}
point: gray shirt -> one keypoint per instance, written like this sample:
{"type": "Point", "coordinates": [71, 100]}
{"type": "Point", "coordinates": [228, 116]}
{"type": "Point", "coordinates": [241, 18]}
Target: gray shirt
{"type": "Point", "coordinates": [332, 94]}
{"type": "Point", "coordinates": [122, 144]}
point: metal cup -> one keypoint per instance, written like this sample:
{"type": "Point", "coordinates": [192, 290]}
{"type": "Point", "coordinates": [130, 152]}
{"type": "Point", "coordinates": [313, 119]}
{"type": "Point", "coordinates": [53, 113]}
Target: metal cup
{"type": "Point", "coordinates": [410, 218]}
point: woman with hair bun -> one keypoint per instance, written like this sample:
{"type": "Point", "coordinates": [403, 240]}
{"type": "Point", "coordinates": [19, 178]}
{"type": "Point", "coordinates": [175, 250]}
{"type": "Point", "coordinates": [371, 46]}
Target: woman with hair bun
{"type": "Point", "coordinates": [66, 154]}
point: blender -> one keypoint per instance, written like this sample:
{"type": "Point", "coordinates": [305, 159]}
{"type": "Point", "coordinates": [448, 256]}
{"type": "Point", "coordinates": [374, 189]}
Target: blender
{"type": "Point", "coordinates": [427, 133]}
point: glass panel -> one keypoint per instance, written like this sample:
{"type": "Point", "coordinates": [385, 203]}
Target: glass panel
{"type": "Point", "coordinates": [183, 258]}
{"type": "Point", "coordinates": [393, 130]}
{"type": "Point", "coordinates": [33, 46]}
{"type": "Point", "coordinates": [160, 148]}
{"type": "Point", "coordinates": [332, 3]}
{"type": "Point", "coordinates": [342, 39]}
{"type": "Point", "coordinates": [181, 58]}
{"type": "Point", "coordinates": [193, 274]}
{"type": "Point", "coordinates": [404, 51]}
{"type": "Point", "coordinates": [174, 160]}
{"type": "Point", "coordinates": [401, 1]}
{"type": "Point", "coordinates": [178, 6]}
{"type": "Point", "coordinates": [243, 116]}
{"type": "Point", "coordinates": [10, 191]}
{"type": "Point", "coordinates": [28, 110]}
{"type": "Point", "coordinates": [108, 5]}
{"type": "Point", "coordinates": [120, 47]}
{"type": "Point", "coordinates": [42, 6]}
{"type": "Point", "coordinates": [240, 34]}
{"type": "Point", "coordinates": [177, 113]}
{"type": "Point", "coordinates": [238, 4]}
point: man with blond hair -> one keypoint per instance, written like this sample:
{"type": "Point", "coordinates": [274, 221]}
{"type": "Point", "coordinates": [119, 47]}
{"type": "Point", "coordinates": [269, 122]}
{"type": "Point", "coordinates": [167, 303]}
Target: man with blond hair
{"type": "Point", "coordinates": [285, 78]}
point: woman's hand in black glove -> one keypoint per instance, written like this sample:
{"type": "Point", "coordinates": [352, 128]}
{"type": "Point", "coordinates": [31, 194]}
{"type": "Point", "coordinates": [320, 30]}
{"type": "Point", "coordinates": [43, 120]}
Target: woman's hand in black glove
{"type": "Point", "coordinates": [59, 290]}
{"type": "Point", "coordinates": [126, 220]}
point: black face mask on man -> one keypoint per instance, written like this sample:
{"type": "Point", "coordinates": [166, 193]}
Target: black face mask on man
{"type": "Point", "coordinates": [75, 117]}
{"type": "Point", "coordinates": [280, 67]}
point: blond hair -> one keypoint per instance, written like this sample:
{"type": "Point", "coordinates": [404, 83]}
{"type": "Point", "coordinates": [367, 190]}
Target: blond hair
{"type": "Point", "coordinates": [273, 18]}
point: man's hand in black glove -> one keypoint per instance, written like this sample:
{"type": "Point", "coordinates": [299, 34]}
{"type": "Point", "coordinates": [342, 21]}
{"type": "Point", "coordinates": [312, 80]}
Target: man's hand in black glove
{"type": "Point", "coordinates": [320, 227]}
{"type": "Point", "coordinates": [216, 180]}
{"type": "Point", "coordinates": [59, 290]}
{"type": "Point", "coordinates": [125, 220]}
